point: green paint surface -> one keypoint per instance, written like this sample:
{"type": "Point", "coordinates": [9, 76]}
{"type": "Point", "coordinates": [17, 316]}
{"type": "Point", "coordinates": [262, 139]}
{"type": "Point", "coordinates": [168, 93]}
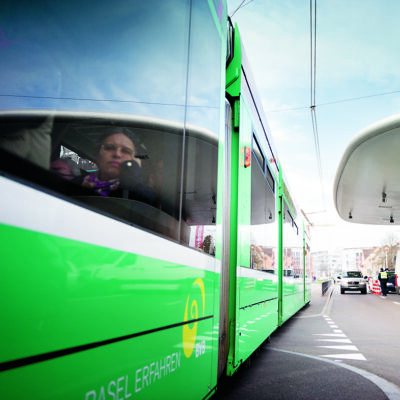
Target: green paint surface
{"type": "Point", "coordinates": [60, 294]}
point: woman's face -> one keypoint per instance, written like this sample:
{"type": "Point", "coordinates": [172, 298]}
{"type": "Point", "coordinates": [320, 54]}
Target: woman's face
{"type": "Point", "coordinates": [114, 150]}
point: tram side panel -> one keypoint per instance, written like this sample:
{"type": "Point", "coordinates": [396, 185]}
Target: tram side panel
{"type": "Point", "coordinates": [103, 320]}
{"type": "Point", "coordinates": [256, 298]}
{"type": "Point", "coordinates": [267, 270]}
{"type": "Point", "coordinates": [111, 296]}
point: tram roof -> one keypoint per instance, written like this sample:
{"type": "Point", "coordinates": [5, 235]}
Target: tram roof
{"type": "Point", "coordinates": [367, 183]}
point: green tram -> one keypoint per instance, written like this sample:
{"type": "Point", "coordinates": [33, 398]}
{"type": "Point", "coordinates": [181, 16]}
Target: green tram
{"type": "Point", "coordinates": [149, 242]}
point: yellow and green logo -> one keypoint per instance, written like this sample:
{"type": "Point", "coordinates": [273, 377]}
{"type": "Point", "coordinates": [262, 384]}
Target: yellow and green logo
{"type": "Point", "coordinates": [190, 332]}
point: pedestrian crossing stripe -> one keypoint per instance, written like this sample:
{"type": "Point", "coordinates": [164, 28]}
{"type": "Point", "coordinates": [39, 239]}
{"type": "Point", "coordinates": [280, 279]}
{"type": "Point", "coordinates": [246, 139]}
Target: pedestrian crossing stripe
{"type": "Point", "coordinates": [343, 347]}
{"type": "Point", "coordinates": [350, 356]}
{"type": "Point", "coordinates": [330, 334]}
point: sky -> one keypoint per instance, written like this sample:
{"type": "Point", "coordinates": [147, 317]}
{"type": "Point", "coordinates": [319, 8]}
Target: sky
{"type": "Point", "coordinates": [357, 84]}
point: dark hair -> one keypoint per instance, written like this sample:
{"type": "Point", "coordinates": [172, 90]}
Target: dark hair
{"type": "Point", "coordinates": [125, 131]}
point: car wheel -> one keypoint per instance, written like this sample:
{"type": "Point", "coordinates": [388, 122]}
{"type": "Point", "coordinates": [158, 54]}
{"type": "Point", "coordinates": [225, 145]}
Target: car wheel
{"type": "Point", "coordinates": [341, 291]}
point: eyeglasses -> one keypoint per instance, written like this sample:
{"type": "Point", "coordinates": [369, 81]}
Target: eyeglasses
{"type": "Point", "coordinates": [109, 147]}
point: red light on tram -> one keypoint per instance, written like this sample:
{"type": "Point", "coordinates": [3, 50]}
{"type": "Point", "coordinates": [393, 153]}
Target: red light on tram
{"type": "Point", "coordinates": [247, 157]}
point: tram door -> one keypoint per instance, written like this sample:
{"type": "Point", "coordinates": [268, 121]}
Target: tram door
{"type": "Point", "coordinates": [225, 256]}
{"type": "Point", "coordinates": [253, 272]}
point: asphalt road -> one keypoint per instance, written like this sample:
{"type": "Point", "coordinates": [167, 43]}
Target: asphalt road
{"type": "Point", "coordinates": [373, 324]}
{"type": "Point", "coordinates": [339, 347]}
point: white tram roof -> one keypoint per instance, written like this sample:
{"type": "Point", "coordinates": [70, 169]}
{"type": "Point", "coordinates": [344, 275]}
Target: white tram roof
{"type": "Point", "coordinates": [367, 183]}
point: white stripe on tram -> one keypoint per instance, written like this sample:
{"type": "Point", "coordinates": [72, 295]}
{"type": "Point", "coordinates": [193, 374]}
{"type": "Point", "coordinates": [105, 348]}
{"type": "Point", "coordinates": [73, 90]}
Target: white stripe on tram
{"type": "Point", "coordinates": [28, 208]}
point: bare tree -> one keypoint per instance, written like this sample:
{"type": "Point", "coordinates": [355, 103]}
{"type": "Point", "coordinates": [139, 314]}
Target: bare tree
{"type": "Point", "coordinates": [389, 247]}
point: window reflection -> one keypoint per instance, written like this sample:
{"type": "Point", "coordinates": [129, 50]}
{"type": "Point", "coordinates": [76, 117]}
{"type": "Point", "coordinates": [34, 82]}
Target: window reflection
{"type": "Point", "coordinates": [133, 58]}
{"type": "Point", "coordinates": [126, 167]}
{"type": "Point", "coordinates": [144, 66]}
{"type": "Point", "coordinates": [292, 248]}
{"type": "Point", "coordinates": [263, 236]}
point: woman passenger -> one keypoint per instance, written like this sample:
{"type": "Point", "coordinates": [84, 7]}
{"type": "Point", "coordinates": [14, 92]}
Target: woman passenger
{"type": "Point", "coordinates": [115, 148]}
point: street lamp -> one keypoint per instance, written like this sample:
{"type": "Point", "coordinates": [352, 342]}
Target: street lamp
{"type": "Point", "coordinates": [386, 253]}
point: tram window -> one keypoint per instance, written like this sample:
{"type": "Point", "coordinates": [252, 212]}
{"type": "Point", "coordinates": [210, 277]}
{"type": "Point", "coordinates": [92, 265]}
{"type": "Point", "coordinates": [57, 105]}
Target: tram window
{"type": "Point", "coordinates": [290, 218]}
{"type": "Point", "coordinates": [270, 178]}
{"type": "Point", "coordinates": [262, 197]}
{"type": "Point", "coordinates": [60, 92]}
{"type": "Point", "coordinates": [200, 194]}
{"type": "Point", "coordinates": [147, 194]}
{"type": "Point", "coordinates": [258, 153]}
{"type": "Point", "coordinates": [292, 248]}
{"type": "Point", "coordinates": [292, 222]}
{"type": "Point", "coordinates": [229, 44]}
{"type": "Point", "coordinates": [263, 233]}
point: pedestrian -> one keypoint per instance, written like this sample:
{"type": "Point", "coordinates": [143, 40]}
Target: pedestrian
{"type": "Point", "coordinates": [383, 278]}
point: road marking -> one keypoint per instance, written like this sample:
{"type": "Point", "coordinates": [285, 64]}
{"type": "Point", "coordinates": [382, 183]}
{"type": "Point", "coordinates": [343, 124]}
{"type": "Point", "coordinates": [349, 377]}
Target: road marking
{"type": "Point", "coordinates": [390, 390]}
{"type": "Point", "coordinates": [349, 356]}
{"type": "Point", "coordinates": [333, 337]}
{"type": "Point", "coordinates": [334, 340]}
{"type": "Point", "coordinates": [330, 334]}
{"type": "Point", "coordinates": [396, 302]}
{"type": "Point", "coordinates": [331, 323]}
{"type": "Point", "coordinates": [345, 347]}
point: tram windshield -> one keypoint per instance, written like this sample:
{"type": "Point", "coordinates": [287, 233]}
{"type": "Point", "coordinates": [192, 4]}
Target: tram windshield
{"type": "Point", "coordinates": [352, 274]}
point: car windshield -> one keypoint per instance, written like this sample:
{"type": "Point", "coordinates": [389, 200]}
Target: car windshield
{"type": "Point", "coordinates": [352, 274]}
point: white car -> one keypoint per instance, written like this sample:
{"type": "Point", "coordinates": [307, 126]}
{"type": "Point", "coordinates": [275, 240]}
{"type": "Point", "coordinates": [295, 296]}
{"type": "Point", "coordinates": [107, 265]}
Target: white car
{"type": "Point", "coordinates": [353, 280]}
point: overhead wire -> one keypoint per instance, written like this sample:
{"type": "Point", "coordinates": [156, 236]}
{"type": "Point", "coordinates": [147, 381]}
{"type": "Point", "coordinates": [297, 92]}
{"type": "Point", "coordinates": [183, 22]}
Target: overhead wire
{"type": "Point", "coordinates": [358, 98]}
{"type": "Point", "coordinates": [328, 103]}
{"type": "Point", "coordinates": [313, 63]}
{"type": "Point", "coordinates": [313, 51]}
{"type": "Point", "coordinates": [313, 82]}
{"type": "Point", "coordinates": [241, 5]}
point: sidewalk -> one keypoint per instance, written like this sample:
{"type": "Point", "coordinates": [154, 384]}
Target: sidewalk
{"type": "Point", "coordinates": [319, 303]}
